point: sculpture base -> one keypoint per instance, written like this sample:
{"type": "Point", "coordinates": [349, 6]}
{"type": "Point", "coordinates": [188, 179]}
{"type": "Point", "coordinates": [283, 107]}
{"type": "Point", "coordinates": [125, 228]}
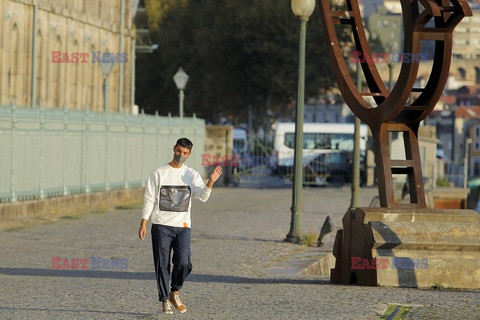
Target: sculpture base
{"type": "Point", "coordinates": [408, 248]}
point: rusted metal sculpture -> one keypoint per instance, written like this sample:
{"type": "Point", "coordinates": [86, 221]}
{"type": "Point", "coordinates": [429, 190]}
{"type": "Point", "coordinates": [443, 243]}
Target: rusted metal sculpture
{"type": "Point", "coordinates": [393, 112]}
{"type": "Point", "coordinates": [387, 246]}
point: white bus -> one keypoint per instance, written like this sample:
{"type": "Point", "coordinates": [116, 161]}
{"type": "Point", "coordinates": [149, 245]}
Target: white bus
{"type": "Point", "coordinates": [317, 138]}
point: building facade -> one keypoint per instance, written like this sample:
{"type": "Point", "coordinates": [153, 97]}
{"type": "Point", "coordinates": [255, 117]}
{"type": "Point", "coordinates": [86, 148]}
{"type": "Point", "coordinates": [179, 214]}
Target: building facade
{"type": "Point", "coordinates": [466, 38]}
{"type": "Point", "coordinates": [50, 52]}
{"type": "Point", "coordinates": [473, 153]}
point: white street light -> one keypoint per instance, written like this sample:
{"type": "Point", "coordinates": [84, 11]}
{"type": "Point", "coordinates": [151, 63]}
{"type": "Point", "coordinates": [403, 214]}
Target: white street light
{"type": "Point", "coordinates": [180, 79]}
{"type": "Point", "coordinates": [302, 9]}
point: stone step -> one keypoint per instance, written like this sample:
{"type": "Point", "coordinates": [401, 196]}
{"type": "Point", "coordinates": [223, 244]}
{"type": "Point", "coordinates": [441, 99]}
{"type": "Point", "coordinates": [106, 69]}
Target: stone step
{"type": "Point", "coordinates": [417, 215]}
{"type": "Point", "coordinates": [451, 269]}
{"type": "Point", "coordinates": [458, 236]}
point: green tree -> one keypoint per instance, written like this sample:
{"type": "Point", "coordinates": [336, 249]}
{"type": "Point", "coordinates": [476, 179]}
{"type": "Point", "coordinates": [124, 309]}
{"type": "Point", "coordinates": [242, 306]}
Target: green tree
{"type": "Point", "coordinates": [237, 53]}
{"type": "Point", "coordinates": [157, 8]}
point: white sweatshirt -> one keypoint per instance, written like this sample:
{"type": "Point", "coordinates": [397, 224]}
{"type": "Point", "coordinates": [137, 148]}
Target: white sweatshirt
{"type": "Point", "coordinates": [168, 195]}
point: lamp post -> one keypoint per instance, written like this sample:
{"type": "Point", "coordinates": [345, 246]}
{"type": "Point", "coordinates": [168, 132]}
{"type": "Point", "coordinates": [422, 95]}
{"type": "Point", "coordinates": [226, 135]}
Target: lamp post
{"type": "Point", "coordinates": [466, 161]}
{"type": "Point", "coordinates": [356, 140]}
{"type": "Point", "coordinates": [180, 79]}
{"type": "Point", "coordinates": [106, 69]}
{"type": "Point", "coordinates": [356, 148]}
{"type": "Point", "coordinates": [302, 9]}
{"type": "Point", "coordinates": [453, 110]}
{"type": "Point", "coordinates": [393, 48]}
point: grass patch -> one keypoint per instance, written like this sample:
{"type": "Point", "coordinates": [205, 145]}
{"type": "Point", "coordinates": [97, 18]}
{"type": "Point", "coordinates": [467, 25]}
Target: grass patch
{"type": "Point", "coordinates": [395, 312]}
{"type": "Point", "coordinates": [129, 206]}
{"type": "Point", "coordinates": [309, 239]}
{"type": "Point", "coordinates": [69, 218]}
{"type": "Point", "coordinates": [32, 222]}
{"type": "Point", "coordinates": [15, 228]}
{"type": "Point", "coordinates": [438, 287]}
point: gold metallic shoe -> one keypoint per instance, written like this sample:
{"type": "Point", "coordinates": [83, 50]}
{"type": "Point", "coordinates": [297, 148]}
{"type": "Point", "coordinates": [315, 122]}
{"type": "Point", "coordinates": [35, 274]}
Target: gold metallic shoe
{"type": "Point", "coordinates": [167, 307]}
{"type": "Point", "coordinates": [177, 303]}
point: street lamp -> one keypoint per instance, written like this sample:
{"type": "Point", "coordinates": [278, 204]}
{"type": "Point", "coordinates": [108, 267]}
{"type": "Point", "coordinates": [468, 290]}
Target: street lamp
{"type": "Point", "coordinates": [180, 79]}
{"type": "Point", "coordinates": [466, 161]}
{"type": "Point", "coordinates": [393, 48]}
{"type": "Point", "coordinates": [302, 9]}
{"type": "Point", "coordinates": [106, 69]}
{"type": "Point", "coordinates": [356, 139]}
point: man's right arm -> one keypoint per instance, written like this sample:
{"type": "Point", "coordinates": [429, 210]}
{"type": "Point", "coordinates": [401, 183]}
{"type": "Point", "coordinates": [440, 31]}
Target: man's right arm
{"type": "Point", "coordinates": [148, 204]}
{"type": "Point", "coordinates": [142, 231]}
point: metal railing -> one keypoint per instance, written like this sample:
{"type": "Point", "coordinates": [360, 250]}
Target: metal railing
{"type": "Point", "coordinates": [58, 152]}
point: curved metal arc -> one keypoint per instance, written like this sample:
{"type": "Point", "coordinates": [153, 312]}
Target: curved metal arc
{"type": "Point", "coordinates": [397, 99]}
{"type": "Point", "coordinates": [374, 81]}
{"type": "Point", "coordinates": [392, 106]}
{"type": "Point", "coordinates": [345, 82]}
{"type": "Point", "coordinates": [391, 103]}
{"type": "Point", "coordinates": [462, 9]}
{"type": "Point", "coordinates": [440, 68]}
{"type": "Point", "coordinates": [434, 87]}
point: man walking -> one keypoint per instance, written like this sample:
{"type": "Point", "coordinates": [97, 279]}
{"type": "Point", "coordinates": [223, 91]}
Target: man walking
{"type": "Point", "coordinates": [168, 201]}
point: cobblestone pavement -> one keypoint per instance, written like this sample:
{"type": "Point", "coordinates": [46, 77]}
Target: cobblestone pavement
{"type": "Point", "coordinates": [237, 250]}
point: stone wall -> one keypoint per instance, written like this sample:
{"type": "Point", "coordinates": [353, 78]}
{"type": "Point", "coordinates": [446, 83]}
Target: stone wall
{"type": "Point", "coordinates": [68, 26]}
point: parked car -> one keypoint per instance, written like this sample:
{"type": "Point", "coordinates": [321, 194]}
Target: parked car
{"type": "Point", "coordinates": [330, 168]}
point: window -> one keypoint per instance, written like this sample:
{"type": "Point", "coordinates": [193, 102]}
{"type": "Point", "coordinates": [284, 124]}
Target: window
{"type": "Point", "coordinates": [289, 140]}
{"type": "Point", "coordinates": [476, 167]}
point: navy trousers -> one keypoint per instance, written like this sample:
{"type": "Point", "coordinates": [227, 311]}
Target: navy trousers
{"type": "Point", "coordinates": [164, 240]}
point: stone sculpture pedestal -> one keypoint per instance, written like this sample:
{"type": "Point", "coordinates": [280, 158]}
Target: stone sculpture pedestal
{"type": "Point", "coordinates": [408, 248]}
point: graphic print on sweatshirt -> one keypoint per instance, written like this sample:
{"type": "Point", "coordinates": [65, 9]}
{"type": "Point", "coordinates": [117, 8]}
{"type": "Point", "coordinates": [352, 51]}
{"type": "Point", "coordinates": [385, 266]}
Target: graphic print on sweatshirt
{"type": "Point", "coordinates": [174, 198]}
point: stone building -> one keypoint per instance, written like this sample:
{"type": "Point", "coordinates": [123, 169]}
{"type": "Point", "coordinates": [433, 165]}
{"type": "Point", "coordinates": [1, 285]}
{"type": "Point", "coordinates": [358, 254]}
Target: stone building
{"type": "Point", "coordinates": [386, 24]}
{"type": "Point", "coordinates": [79, 31]}
{"type": "Point", "coordinates": [466, 39]}
{"type": "Point", "coordinates": [473, 154]}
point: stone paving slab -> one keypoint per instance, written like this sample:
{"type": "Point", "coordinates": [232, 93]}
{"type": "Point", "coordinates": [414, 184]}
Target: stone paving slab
{"type": "Point", "coordinates": [238, 254]}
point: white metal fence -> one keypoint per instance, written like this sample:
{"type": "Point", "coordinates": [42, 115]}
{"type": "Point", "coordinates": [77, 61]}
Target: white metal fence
{"type": "Point", "coordinates": [57, 152]}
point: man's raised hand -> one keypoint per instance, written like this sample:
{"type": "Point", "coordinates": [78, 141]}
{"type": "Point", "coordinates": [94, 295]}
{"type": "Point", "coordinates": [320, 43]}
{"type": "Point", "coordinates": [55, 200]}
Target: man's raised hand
{"type": "Point", "coordinates": [216, 173]}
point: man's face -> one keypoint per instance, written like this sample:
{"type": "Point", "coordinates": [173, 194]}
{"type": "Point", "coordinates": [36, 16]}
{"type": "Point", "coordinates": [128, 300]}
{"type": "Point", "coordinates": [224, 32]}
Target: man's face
{"type": "Point", "coordinates": [182, 151]}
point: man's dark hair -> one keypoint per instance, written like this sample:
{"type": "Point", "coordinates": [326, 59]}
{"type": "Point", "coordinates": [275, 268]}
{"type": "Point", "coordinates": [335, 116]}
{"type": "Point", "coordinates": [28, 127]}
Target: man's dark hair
{"type": "Point", "coordinates": [184, 142]}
